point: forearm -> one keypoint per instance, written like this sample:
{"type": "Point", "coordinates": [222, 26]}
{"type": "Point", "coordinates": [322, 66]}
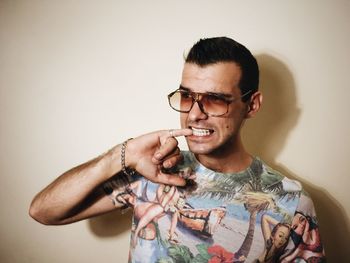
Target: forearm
{"type": "Point", "coordinates": [267, 223]}
{"type": "Point", "coordinates": [75, 191]}
{"type": "Point", "coordinates": [74, 195]}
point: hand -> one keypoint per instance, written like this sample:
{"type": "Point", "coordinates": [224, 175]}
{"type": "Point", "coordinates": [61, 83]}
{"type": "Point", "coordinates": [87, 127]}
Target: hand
{"type": "Point", "coordinates": [149, 154]}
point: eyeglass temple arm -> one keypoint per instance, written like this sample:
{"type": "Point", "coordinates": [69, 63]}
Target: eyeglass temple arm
{"type": "Point", "coordinates": [245, 94]}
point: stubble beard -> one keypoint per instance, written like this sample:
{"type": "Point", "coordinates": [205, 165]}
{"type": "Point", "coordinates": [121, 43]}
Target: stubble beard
{"type": "Point", "coordinates": [218, 151]}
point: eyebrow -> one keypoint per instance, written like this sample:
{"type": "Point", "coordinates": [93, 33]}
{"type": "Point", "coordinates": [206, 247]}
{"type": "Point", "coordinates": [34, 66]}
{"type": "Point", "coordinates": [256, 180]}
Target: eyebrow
{"type": "Point", "coordinates": [221, 95]}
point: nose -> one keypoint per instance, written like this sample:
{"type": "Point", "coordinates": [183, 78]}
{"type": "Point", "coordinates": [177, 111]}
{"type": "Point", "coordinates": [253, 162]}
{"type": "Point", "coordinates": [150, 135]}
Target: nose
{"type": "Point", "coordinates": [196, 112]}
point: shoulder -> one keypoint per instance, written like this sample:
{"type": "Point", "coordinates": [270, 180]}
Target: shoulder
{"type": "Point", "coordinates": [287, 186]}
{"type": "Point", "coordinates": [272, 177]}
{"type": "Point", "coordinates": [306, 205]}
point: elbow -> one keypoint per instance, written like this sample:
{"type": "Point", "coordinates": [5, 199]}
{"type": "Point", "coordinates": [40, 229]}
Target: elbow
{"type": "Point", "coordinates": [40, 216]}
{"type": "Point", "coordinates": [35, 213]}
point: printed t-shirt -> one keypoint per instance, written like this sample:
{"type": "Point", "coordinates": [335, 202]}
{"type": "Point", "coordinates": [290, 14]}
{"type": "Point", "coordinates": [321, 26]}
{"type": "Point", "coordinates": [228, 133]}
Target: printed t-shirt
{"type": "Point", "coordinates": [256, 215]}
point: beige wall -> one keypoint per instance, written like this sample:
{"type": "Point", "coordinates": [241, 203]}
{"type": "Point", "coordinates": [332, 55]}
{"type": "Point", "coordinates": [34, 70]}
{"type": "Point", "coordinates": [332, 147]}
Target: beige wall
{"type": "Point", "coordinates": [77, 77]}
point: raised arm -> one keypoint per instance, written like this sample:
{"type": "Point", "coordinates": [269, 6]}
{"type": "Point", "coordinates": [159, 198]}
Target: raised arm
{"type": "Point", "coordinates": [77, 195]}
{"type": "Point", "coordinates": [267, 223]}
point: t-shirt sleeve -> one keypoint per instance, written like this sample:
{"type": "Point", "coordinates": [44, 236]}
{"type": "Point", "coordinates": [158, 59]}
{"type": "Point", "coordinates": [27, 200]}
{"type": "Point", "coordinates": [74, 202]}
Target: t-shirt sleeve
{"type": "Point", "coordinates": [305, 240]}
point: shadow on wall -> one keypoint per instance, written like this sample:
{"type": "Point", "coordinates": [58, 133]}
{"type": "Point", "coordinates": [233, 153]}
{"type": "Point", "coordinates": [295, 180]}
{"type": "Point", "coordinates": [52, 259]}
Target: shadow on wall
{"type": "Point", "coordinates": [111, 224]}
{"type": "Point", "coordinates": [266, 137]}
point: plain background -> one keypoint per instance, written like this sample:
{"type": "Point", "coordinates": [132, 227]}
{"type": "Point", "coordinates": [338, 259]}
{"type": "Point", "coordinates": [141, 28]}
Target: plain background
{"type": "Point", "coordinates": [78, 77]}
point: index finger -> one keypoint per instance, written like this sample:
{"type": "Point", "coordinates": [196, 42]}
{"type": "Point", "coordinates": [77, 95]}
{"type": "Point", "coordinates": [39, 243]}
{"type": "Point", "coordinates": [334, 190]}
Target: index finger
{"type": "Point", "coordinates": [179, 132]}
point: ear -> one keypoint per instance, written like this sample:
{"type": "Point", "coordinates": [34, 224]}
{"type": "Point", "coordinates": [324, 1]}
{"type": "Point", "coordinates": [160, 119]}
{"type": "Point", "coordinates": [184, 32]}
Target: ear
{"type": "Point", "coordinates": [254, 104]}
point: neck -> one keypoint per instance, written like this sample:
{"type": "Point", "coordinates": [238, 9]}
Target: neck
{"type": "Point", "coordinates": [230, 158]}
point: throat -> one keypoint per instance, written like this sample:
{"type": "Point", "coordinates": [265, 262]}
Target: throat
{"type": "Point", "coordinates": [232, 163]}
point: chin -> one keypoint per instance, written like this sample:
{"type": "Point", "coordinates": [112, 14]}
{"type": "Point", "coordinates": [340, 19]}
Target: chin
{"type": "Point", "coordinates": [199, 151]}
{"type": "Point", "coordinates": [198, 148]}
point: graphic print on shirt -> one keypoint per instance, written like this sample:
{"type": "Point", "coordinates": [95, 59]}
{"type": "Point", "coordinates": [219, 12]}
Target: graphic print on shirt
{"type": "Point", "coordinates": [241, 217]}
{"type": "Point", "coordinates": [305, 240]}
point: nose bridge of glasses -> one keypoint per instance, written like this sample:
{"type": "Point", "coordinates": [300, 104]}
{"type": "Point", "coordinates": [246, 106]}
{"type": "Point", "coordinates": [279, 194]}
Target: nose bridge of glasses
{"type": "Point", "coordinates": [197, 97]}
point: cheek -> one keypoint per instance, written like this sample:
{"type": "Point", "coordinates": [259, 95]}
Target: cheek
{"type": "Point", "coordinates": [183, 118]}
{"type": "Point", "coordinates": [299, 229]}
{"type": "Point", "coordinates": [229, 124]}
{"type": "Point", "coordinates": [234, 120]}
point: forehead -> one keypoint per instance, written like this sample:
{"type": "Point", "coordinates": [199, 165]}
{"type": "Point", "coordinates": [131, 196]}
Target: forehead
{"type": "Point", "coordinates": [282, 229]}
{"type": "Point", "coordinates": [220, 77]}
{"type": "Point", "coordinates": [297, 218]}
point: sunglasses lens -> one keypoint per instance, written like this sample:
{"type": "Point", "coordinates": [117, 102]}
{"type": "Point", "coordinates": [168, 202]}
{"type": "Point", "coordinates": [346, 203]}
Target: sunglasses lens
{"type": "Point", "coordinates": [211, 104]}
{"type": "Point", "coordinates": [214, 105]}
{"type": "Point", "coordinates": [181, 101]}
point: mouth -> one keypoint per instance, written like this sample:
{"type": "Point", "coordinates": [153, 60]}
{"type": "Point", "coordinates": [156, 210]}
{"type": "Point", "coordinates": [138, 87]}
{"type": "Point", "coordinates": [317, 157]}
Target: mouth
{"type": "Point", "coordinates": [201, 132]}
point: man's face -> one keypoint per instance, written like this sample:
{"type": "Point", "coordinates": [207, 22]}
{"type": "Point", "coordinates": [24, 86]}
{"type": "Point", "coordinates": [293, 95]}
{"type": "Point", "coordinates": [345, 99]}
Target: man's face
{"type": "Point", "coordinates": [213, 134]}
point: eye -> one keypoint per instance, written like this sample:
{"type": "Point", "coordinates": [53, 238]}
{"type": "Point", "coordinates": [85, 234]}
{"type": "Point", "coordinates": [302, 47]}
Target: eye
{"type": "Point", "coordinates": [216, 99]}
{"type": "Point", "coordinates": [185, 94]}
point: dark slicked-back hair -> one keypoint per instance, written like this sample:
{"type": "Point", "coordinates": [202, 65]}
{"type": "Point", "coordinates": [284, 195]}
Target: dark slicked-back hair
{"type": "Point", "coordinates": [223, 49]}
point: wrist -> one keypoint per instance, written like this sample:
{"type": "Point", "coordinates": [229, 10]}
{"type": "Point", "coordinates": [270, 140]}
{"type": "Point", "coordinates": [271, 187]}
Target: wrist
{"type": "Point", "coordinates": [129, 154]}
{"type": "Point", "coordinates": [125, 159]}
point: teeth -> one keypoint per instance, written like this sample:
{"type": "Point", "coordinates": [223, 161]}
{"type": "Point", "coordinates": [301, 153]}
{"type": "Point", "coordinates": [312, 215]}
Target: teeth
{"type": "Point", "coordinates": [200, 132]}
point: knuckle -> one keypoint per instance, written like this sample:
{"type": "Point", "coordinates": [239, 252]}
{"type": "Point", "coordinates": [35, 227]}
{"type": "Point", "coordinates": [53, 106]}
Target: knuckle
{"type": "Point", "coordinates": [173, 141]}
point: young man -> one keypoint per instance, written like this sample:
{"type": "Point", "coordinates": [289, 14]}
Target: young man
{"type": "Point", "coordinates": [204, 205]}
